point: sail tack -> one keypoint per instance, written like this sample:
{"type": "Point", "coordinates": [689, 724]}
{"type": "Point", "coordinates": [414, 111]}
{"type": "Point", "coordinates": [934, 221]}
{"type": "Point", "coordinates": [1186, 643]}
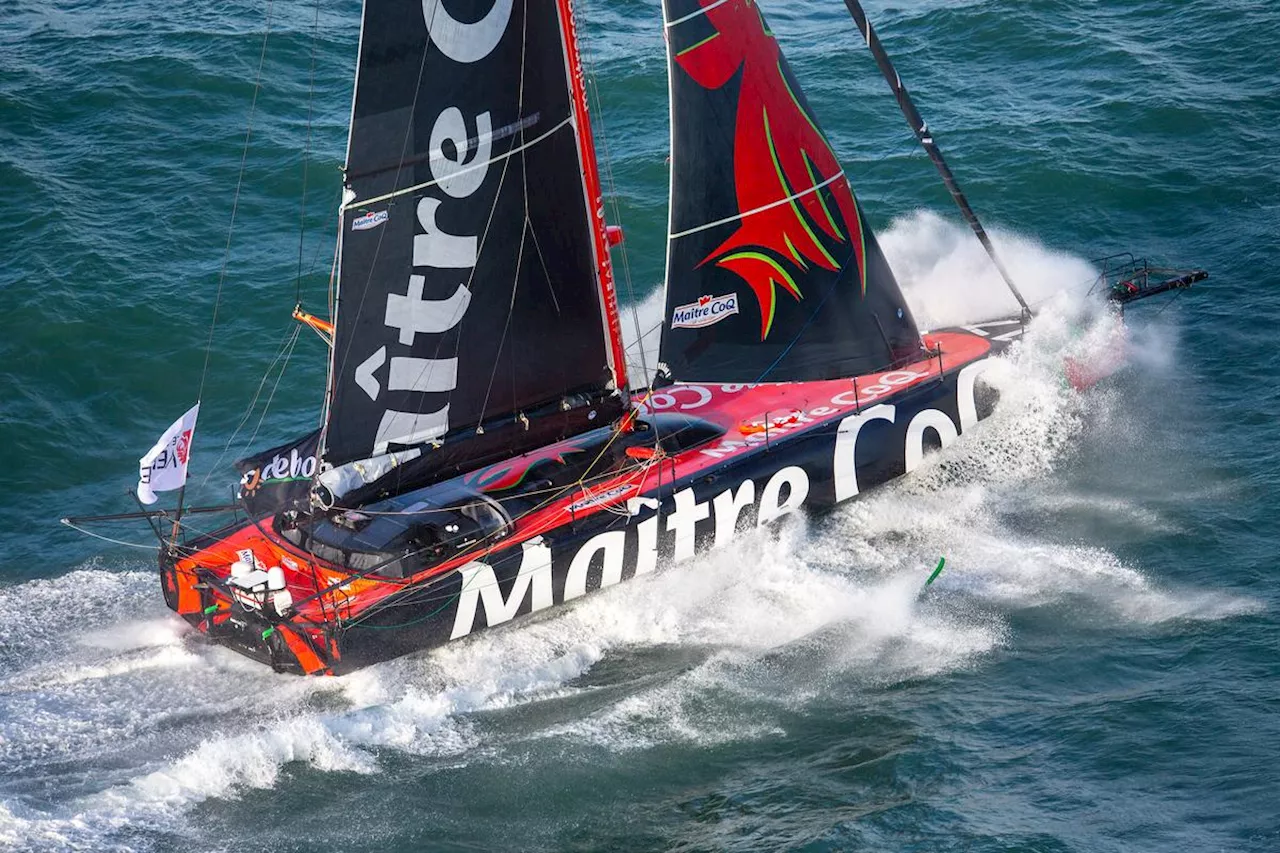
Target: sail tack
{"type": "Point", "coordinates": [474, 282]}
{"type": "Point", "coordinates": [772, 273]}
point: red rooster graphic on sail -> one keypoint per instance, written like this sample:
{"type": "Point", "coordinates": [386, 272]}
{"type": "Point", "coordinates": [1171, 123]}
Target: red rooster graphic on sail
{"type": "Point", "coordinates": [508, 475]}
{"type": "Point", "coordinates": [782, 162]}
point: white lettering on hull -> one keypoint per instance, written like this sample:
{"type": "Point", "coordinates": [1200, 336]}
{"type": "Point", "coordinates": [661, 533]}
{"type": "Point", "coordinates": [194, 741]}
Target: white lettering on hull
{"type": "Point", "coordinates": [647, 559]}
{"type": "Point", "coordinates": [772, 505]}
{"type": "Point", "coordinates": [965, 402]}
{"type": "Point", "coordinates": [785, 492]}
{"type": "Point", "coordinates": [683, 522]}
{"type": "Point", "coordinates": [728, 507]}
{"type": "Point", "coordinates": [612, 545]}
{"type": "Point", "coordinates": [846, 471]}
{"type": "Point", "coordinates": [932, 419]}
{"type": "Point", "coordinates": [480, 586]}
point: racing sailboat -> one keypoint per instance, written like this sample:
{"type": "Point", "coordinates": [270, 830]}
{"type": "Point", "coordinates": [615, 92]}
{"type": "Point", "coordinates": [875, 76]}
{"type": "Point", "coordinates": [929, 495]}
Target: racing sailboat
{"type": "Point", "coordinates": [483, 454]}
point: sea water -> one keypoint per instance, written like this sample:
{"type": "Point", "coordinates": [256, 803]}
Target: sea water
{"type": "Point", "coordinates": [1095, 670]}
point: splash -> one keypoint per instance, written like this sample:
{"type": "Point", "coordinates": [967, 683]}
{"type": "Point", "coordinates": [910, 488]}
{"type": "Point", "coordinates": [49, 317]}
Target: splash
{"type": "Point", "coordinates": [717, 650]}
{"type": "Point", "coordinates": [949, 280]}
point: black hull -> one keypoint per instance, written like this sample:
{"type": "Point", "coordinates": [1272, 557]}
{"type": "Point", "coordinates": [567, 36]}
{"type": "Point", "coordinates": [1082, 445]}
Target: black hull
{"type": "Point", "coordinates": [807, 470]}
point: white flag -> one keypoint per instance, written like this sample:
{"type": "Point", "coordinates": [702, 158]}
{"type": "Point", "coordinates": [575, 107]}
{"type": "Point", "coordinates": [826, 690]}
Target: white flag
{"type": "Point", "coordinates": [164, 468]}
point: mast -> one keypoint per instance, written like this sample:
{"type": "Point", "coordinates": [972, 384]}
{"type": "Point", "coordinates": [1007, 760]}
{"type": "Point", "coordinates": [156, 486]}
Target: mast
{"type": "Point", "coordinates": [594, 196]}
{"type": "Point", "coordinates": [921, 130]}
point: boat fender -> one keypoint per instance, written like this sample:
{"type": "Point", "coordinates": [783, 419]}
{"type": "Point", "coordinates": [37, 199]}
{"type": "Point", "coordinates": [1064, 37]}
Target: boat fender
{"type": "Point", "coordinates": [281, 598]}
{"type": "Point", "coordinates": [275, 578]}
{"type": "Point", "coordinates": [240, 568]}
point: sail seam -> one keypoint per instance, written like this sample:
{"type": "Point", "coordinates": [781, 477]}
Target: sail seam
{"type": "Point", "coordinates": [689, 17]}
{"type": "Point", "coordinates": [525, 228]}
{"type": "Point", "coordinates": [770, 206]}
{"type": "Point", "coordinates": [416, 187]}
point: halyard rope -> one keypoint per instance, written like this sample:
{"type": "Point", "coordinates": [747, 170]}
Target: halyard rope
{"type": "Point", "coordinates": [235, 203]}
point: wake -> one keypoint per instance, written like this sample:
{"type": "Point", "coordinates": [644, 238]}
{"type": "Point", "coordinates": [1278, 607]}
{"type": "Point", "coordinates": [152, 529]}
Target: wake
{"type": "Point", "coordinates": [112, 719]}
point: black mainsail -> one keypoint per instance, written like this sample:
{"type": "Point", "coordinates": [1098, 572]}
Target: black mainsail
{"type": "Point", "coordinates": [772, 272]}
{"type": "Point", "coordinates": [475, 306]}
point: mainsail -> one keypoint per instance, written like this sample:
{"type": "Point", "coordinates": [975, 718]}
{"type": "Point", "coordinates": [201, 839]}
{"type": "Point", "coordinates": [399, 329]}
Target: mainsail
{"type": "Point", "coordinates": [475, 306]}
{"type": "Point", "coordinates": [772, 272]}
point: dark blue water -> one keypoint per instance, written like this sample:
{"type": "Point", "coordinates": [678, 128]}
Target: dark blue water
{"type": "Point", "coordinates": [1097, 670]}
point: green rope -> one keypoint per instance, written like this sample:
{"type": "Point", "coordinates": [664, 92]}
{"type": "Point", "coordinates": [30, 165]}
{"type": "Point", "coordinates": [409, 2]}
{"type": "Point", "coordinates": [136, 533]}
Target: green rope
{"type": "Point", "coordinates": [437, 611]}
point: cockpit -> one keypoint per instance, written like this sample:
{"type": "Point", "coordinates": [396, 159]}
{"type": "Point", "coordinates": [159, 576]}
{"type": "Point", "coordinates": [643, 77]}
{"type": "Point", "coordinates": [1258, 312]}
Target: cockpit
{"type": "Point", "coordinates": [403, 535]}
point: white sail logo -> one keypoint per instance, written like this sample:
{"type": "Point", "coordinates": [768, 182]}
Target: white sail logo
{"type": "Point", "coordinates": [707, 311]}
{"type": "Point", "coordinates": [437, 295]}
{"type": "Point", "coordinates": [466, 42]}
{"type": "Point", "coordinates": [372, 219]}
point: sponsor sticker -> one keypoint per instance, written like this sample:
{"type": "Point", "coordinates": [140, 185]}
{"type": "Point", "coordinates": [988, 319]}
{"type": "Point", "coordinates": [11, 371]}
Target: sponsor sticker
{"type": "Point", "coordinates": [607, 496]}
{"type": "Point", "coordinates": [707, 311]}
{"type": "Point", "coordinates": [372, 219]}
{"type": "Point", "coordinates": [246, 555]}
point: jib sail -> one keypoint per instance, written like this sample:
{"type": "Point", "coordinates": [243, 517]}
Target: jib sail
{"type": "Point", "coordinates": [475, 310]}
{"type": "Point", "coordinates": [772, 272]}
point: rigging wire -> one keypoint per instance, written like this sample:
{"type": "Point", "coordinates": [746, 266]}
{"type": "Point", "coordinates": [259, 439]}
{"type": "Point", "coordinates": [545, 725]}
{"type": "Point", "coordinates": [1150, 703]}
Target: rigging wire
{"type": "Point", "coordinates": [591, 78]}
{"type": "Point", "coordinates": [339, 362]}
{"type": "Point", "coordinates": [235, 203]}
{"type": "Point", "coordinates": [80, 529]}
{"type": "Point", "coordinates": [288, 353]}
{"type": "Point", "coordinates": [286, 346]}
{"type": "Point", "coordinates": [1166, 305]}
{"type": "Point", "coordinates": [306, 153]}
{"type": "Point", "coordinates": [526, 227]}
{"type": "Point", "coordinates": [926, 139]}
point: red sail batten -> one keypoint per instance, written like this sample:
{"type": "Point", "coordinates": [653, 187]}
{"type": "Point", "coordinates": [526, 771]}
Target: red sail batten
{"type": "Point", "coordinates": [595, 198]}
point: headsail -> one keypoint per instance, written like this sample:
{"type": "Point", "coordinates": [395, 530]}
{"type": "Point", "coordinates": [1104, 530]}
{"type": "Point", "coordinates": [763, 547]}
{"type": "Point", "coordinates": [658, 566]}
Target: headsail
{"type": "Point", "coordinates": [475, 289]}
{"type": "Point", "coordinates": [772, 272]}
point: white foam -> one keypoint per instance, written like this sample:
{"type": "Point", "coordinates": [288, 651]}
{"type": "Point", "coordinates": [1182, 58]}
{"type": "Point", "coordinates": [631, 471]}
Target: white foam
{"type": "Point", "coordinates": [949, 280]}
{"type": "Point", "coordinates": [837, 601]}
{"type": "Point", "coordinates": [164, 658]}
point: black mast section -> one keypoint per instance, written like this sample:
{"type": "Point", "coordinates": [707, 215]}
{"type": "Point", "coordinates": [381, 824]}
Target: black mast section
{"type": "Point", "coordinates": [921, 129]}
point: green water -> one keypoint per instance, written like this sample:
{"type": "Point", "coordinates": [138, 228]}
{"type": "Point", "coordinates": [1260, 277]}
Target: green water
{"type": "Point", "coordinates": [1096, 669]}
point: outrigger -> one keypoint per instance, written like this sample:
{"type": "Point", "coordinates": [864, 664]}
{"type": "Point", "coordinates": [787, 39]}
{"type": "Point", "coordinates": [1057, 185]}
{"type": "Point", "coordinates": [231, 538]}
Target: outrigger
{"type": "Point", "coordinates": [483, 454]}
